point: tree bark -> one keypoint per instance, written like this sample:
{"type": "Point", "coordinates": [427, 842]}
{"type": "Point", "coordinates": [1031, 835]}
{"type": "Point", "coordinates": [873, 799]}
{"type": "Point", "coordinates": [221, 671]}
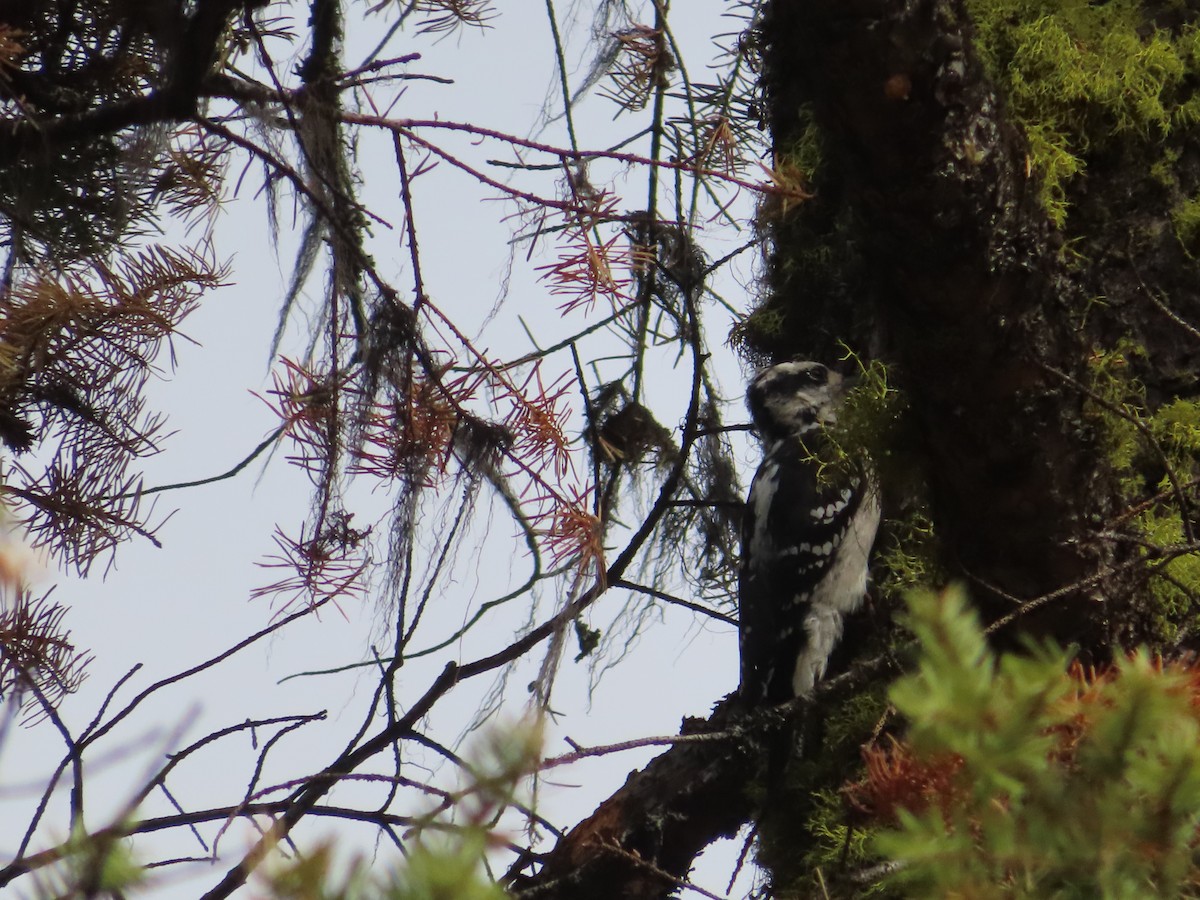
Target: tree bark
{"type": "Point", "coordinates": [969, 298]}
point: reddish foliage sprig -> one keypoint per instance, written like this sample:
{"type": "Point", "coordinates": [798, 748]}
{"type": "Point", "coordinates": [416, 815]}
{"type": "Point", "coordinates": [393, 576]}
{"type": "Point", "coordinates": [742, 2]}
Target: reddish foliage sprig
{"type": "Point", "coordinates": [76, 351]}
{"type": "Point", "coordinates": [536, 421]}
{"type": "Point", "coordinates": [719, 148]}
{"type": "Point", "coordinates": [588, 266]}
{"type": "Point", "coordinates": [327, 565]}
{"type": "Point", "coordinates": [36, 651]}
{"type": "Point", "coordinates": [412, 437]}
{"type": "Point", "coordinates": [307, 405]}
{"type": "Point", "coordinates": [897, 779]}
{"type": "Point", "coordinates": [643, 62]}
{"type": "Point", "coordinates": [571, 532]}
{"type": "Point", "coordinates": [587, 269]}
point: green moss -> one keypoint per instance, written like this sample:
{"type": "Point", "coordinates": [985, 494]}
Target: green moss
{"type": "Point", "coordinates": [1141, 444]}
{"type": "Point", "coordinates": [1078, 75]}
{"type": "Point", "coordinates": [1119, 406]}
{"type": "Point", "coordinates": [1162, 169]}
{"type": "Point", "coordinates": [1185, 216]}
{"type": "Point", "coordinates": [873, 412]}
{"type": "Point", "coordinates": [1177, 426]}
{"type": "Point", "coordinates": [909, 556]}
{"type": "Point", "coordinates": [1177, 575]}
{"type": "Point", "coordinates": [874, 420]}
{"type": "Point", "coordinates": [835, 845]}
{"type": "Point", "coordinates": [821, 839]}
{"type": "Point", "coordinates": [762, 327]}
{"type": "Point", "coordinates": [793, 172]}
{"type": "Point", "coordinates": [808, 149]}
{"type": "Point", "coordinates": [857, 717]}
{"type": "Point", "coordinates": [868, 424]}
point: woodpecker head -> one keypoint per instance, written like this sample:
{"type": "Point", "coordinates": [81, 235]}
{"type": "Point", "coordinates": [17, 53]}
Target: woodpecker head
{"type": "Point", "coordinates": [793, 398]}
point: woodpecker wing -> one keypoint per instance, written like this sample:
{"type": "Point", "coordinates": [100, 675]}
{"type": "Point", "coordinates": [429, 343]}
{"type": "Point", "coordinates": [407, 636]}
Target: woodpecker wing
{"type": "Point", "coordinates": [792, 531]}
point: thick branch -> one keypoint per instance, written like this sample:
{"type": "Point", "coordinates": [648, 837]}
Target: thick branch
{"type": "Point", "coordinates": [190, 57]}
{"type": "Point", "coordinates": [658, 822]}
{"type": "Point", "coordinates": [642, 840]}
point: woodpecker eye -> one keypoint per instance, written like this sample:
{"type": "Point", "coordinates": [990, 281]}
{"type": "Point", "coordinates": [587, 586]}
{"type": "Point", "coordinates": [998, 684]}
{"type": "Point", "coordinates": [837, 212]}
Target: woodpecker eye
{"type": "Point", "coordinates": [807, 377]}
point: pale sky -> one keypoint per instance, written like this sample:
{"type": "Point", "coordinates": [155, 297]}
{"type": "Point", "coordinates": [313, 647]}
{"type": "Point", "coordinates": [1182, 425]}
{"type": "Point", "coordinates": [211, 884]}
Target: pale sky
{"type": "Point", "coordinates": [169, 609]}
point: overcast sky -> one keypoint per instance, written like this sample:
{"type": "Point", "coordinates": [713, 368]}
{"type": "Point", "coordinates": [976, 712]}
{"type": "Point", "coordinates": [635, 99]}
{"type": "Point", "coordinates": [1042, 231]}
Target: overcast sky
{"type": "Point", "coordinates": [171, 608]}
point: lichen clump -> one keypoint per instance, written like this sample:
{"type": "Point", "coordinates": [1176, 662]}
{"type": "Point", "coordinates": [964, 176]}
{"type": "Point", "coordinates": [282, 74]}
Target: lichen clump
{"type": "Point", "coordinates": [1080, 76]}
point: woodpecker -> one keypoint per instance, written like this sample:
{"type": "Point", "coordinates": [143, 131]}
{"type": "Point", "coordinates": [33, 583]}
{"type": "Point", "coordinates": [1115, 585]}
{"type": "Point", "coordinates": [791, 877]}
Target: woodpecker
{"type": "Point", "coordinates": [807, 533]}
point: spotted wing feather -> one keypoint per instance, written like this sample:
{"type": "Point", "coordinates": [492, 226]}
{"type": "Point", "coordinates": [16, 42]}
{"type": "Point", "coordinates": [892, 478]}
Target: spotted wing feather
{"type": "Point", "coordinates": [803, 567]}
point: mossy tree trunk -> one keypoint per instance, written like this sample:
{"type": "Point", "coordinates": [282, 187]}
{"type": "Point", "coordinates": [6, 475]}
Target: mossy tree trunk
{"type": "Point", "coordinates": [960, 285]}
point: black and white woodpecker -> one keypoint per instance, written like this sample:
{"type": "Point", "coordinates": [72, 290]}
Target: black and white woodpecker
{"type": "Point", "coordinates": [806, 535]}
